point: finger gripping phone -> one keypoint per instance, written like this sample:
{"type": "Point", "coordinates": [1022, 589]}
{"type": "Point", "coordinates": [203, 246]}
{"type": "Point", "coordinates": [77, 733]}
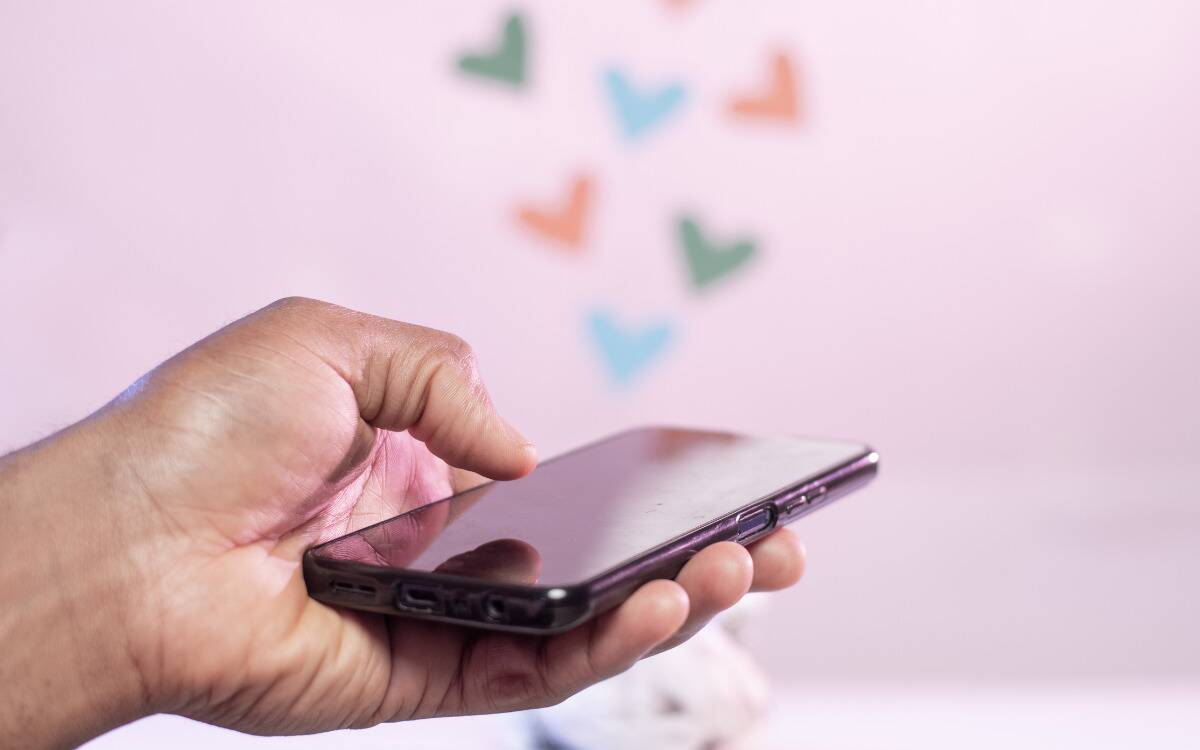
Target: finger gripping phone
{"type": "Point", "coordinates": [544, 553]}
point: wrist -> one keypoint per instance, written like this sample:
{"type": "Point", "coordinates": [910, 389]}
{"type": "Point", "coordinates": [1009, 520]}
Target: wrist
{"type": "Point", "coordinates": [68, 668]}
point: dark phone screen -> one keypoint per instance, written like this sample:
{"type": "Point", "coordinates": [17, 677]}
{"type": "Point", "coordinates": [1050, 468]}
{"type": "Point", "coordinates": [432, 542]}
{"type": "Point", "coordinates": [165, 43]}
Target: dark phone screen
{"type": "Point", "coordinates": [585, 512]}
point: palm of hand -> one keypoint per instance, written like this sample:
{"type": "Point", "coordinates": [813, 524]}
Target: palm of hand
{"type": "Point", "coordinates": [290, 463]}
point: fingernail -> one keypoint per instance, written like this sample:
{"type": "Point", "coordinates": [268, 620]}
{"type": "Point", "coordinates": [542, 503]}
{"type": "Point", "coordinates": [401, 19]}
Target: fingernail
{"type": "Point", "coordinates": [531, 451]}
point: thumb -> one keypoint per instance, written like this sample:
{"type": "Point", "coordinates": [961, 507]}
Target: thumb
{"type": "Point", "coordinates": [407, 377]}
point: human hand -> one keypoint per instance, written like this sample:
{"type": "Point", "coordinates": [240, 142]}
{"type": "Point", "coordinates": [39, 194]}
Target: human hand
{"type": "Point", "coordinates": [179, 514]}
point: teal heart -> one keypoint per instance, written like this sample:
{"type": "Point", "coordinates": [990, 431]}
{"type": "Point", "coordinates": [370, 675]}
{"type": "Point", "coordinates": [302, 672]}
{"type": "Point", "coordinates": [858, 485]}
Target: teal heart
{"type": "Point", "coordinates": [638, 111]}
{"type": "Point", "coordinates": [507, 63]}
{"type": "Point", "coordinates": [709, 261]}
{"type": "Point", "coordinates": [627, 351]}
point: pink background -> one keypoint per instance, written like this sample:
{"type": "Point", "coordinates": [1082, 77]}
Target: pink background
{"type": "Point", "coordinates": [978, 251]}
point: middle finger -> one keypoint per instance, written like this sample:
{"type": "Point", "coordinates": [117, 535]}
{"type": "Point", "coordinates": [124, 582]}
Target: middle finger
{"type": "Point", "coordinates": [714, 580]}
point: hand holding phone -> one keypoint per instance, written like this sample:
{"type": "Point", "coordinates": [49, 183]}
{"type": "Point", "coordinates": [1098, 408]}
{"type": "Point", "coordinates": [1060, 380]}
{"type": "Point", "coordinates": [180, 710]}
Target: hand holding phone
{"type": "Point", "coordinates": [154, 551]}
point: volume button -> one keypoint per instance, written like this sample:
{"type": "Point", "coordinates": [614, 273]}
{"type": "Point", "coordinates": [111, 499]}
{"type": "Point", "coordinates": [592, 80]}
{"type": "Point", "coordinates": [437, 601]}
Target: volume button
{"type": "Point", "coordinates": [811, 497]}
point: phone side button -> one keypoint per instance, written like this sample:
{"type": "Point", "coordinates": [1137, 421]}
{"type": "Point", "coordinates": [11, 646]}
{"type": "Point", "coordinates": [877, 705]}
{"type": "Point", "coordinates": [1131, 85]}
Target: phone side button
{"type": "Point", "coordinates": [816, 495]}
{"type": "Point", "coordinates": [812, 497]}
{"type": "Point", "coordinates": [754, 521]}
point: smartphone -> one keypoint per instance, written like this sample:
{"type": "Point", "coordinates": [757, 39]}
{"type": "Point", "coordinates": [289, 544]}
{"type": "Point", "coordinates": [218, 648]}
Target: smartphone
{"type": "Point", "coordinates": [578, 535]}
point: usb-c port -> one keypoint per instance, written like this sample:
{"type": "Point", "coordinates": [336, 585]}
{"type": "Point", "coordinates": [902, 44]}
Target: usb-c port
{"type": "Point", "coordinates": [419, 598]}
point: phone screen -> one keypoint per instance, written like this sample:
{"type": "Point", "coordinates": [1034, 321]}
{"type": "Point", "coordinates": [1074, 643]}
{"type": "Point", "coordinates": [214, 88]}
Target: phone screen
{"type": "Point", "coordinates": [587, 511]}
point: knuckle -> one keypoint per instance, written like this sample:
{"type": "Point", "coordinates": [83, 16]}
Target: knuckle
{"type": "Point", "coordinates": [514, 689]}
{"type": "Point", "coordinates": [288, 304]}
{"type": "Point", "coordinates": [452, 350]}
{"type": "Point", "coordinates": [308, 313]}
{"type": "Point", "coordinates": [296, 310]}
{"type": "Point", "coordinates": [458, 348]}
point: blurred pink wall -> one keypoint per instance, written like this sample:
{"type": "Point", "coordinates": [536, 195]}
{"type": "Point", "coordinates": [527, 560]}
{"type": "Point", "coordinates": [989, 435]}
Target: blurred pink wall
{"type": "Point", "coordinates": [977, 250]}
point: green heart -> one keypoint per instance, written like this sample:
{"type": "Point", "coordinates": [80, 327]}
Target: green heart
{"type": "Point", "coordinates": [507, 63]}
{"type": "Point", "coordinates": [708, 261]}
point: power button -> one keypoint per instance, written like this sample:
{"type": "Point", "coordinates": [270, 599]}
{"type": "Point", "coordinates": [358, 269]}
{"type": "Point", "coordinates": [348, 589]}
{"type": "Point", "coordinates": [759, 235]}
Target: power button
{"type": "Point", "coordinates": [754, 521]}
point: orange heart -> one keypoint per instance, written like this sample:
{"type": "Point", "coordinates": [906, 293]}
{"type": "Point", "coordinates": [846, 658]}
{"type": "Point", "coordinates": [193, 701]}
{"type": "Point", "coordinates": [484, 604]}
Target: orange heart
{"type": "Point", "coordinates": [564, 224]}
{"type": "Point", "coordinates": [780, 102]}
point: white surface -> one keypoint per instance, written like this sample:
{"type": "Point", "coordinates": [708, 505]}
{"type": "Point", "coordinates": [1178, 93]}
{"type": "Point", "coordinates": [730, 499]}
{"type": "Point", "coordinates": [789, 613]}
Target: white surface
{"type": "Point", "coordinates": [981, 718]}
{"type": "Point", "coordinates": [845, 717]}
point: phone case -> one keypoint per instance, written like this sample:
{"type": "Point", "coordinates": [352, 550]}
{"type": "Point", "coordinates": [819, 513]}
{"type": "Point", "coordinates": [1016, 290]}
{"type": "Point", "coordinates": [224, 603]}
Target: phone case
{"type": "Point", "coordinates": [545, 610]}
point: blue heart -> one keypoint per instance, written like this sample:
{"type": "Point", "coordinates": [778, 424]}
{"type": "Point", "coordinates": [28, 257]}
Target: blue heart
{"type": "Point", "coordinates": [627, 352]}
{"type": "Point", "coordinates": [640, 111]}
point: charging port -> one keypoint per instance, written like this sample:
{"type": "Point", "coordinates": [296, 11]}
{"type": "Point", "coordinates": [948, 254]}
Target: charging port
{"type": "Point", "coordinates": [419, 598]}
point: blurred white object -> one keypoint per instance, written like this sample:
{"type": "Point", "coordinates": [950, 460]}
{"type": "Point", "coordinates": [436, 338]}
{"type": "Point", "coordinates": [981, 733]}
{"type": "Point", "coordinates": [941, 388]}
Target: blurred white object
{"type": "Point", "coordinates": [944, 715]}
{"type": "Point", "coordinates": [707, 693]}
{"type": "Point", "coordinates": [821, 715]}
